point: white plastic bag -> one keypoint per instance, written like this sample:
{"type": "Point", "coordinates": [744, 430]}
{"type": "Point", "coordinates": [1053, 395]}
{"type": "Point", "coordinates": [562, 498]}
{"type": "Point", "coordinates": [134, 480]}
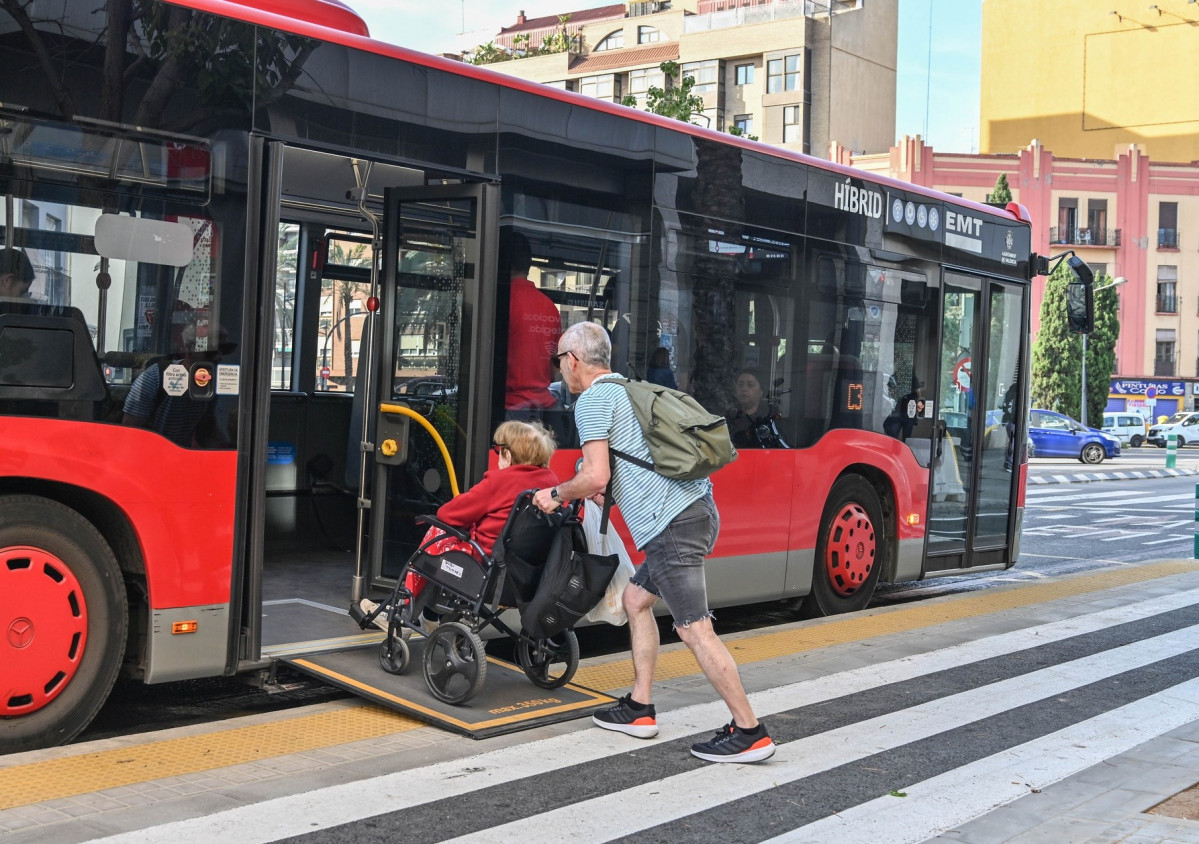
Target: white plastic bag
{"type": "Point", "coordinates": [611, 608]}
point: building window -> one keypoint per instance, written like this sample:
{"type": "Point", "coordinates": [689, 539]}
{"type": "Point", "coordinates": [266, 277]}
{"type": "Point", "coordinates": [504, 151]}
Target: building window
{"type": "Point", "coordinates": [791, 128]}
{"type": "Point", "coordinates": [605, 87]}
{"type": "Point", "coordinates": [1100, 270]}
{"type": "Point", "coordinates": [705, 75]}
{"type": "Point", "coordinates": [744, 122]}
{"type": "Point", "coordinates": [782, 74]}
{"type": "Point", "coordinates": [1167, 282]}
{"type": "Point", "coordinates": [612, 41]}
{"type": "Point", "coordinates": [648, 35]}
{"type": "Point", "coordinates": [1163, 359]}
{"type": "Point", "coordinates": [1167, 225]}
{"type": "Point", "coordinates": [745, 74]}
{"type": "Point", "coordinates": [1096, 222]}
{"type": "Point", "coordinates": [640, 81]}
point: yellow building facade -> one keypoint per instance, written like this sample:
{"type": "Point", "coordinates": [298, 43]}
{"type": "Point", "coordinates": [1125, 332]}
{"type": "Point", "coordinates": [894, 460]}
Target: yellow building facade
{"type": "Point", "coordinates": [1088, 78]}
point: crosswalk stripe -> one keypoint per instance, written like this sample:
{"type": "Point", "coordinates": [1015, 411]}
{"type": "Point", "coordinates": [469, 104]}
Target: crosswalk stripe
{"type": "Point", "coordinates": [335, 805]}
{"type": "Point", "coordinates": [1046, 496]}
{"type": "Point", "coordinates": [949, 800]}
{"type": "Point", "coordinates": [627, 812]}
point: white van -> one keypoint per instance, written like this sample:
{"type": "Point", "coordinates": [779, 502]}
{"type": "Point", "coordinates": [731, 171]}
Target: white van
{"type": "Point", "coordinates": [1184, 425]}
{"type": "Point", "coordinates": [1129, 428]}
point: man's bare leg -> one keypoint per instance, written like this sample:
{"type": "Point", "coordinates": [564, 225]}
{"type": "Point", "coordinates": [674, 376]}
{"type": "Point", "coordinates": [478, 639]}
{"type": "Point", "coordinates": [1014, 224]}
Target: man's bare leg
{"type": "Point", "coordinates": [643, 633]}
{"type": "Point", "coordinates": [718, 666]}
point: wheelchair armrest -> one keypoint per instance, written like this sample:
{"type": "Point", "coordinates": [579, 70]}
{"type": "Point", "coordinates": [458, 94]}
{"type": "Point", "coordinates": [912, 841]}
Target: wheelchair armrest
{"type": "Point", "coordinates": [456, 532]}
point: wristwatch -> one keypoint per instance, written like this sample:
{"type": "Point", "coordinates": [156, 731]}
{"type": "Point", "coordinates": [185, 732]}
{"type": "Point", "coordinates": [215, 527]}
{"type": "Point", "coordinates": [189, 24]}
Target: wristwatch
{"type": "Point", "coordinates": [554, 495]}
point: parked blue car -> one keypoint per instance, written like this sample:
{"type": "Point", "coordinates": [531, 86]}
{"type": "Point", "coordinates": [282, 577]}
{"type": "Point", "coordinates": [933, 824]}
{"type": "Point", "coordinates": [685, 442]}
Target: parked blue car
{"type": "Point", "coordinates": [1057, 435]}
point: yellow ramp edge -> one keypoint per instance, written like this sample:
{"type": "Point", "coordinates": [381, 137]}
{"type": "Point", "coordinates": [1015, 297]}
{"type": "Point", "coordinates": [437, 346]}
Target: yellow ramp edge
{"type": "Point", "coordinates": [36, 782]}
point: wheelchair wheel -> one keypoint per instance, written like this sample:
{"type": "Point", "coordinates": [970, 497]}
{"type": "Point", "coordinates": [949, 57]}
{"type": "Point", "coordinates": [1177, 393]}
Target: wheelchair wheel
{"type": "Point", "coordinates": [550, 663]}
{"type": "Point", "coordinates": [455, 663]}
{"type": "Point", "coordinates": [394, 655]}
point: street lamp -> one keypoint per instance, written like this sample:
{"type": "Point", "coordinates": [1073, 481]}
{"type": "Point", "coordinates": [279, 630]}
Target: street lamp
{"type": "Point", "coordinates": [1116, 282]}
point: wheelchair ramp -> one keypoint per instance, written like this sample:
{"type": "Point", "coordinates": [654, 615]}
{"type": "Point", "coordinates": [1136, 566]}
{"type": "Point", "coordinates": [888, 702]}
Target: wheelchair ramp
{"type": "Point", "coordinates": [507, 703]}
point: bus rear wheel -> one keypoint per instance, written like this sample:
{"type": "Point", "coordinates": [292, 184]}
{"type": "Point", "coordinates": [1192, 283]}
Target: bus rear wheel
{"type": "Point", "coordinates": [63, 620]}
{"type": "Point", "coordinates": [850, 549]}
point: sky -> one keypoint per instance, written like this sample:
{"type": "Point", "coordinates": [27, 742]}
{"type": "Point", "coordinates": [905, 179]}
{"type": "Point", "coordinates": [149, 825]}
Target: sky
{"type": "Point", "coordinates": [936, 90]}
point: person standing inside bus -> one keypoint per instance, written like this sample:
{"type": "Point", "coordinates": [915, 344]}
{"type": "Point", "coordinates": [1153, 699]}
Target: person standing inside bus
{"type": "Point", "coordinates": [534, 326]}
{"type": "Point", "coordinates": [185, 421]}
{"type": "Point", "coordinates": [16, 274]}
{"type": "Point", "coordinates": [675, 523]}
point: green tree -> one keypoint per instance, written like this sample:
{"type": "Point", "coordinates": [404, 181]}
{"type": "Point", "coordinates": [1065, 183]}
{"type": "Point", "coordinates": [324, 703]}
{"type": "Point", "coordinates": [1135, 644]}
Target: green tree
{"type": "Point", "coordinates": [558, 41]}
{"type": "Point", "coordinates": [1101, 350]}
{"type": "Point", "coordinates": [740, 133]}
{"type": "Point", "coordinates": [675, 100]}
{"type": "Point", "coordinates": [1057, 353]}
{"type": "Point", "coordinates": [1002, 194]}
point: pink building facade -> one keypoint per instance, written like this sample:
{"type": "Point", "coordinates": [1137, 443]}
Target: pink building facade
{"type": "Point", "coordinates": [1129, 216]}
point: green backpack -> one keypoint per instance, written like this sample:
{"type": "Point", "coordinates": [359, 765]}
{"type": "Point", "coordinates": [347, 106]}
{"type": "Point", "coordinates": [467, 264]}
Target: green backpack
{"type": "Point", "coordinates": [685, 441]}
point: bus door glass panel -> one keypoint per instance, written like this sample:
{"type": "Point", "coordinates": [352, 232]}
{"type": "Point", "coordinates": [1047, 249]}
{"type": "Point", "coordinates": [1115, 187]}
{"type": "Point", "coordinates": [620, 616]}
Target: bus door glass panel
{"type": "Point", "coordinates": [998, 390]}
{"type": "Point", "coordinates": [433, 252]}
{"type": "Point", "coordinates": [572, 276]}
{"type": "Point", "coordinates": [955, 451]}
{"type": "Point", "coordinates": [345, 288]}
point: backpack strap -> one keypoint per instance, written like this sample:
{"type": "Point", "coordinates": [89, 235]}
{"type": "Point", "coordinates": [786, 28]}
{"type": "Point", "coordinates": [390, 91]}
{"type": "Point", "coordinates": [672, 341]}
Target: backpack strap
{"type": "Point", "coordinates": [608, 494]}
{"type": "Point", "coordinates": [628, 458]}
{"type": "Point", "coordinates": [636, 461]}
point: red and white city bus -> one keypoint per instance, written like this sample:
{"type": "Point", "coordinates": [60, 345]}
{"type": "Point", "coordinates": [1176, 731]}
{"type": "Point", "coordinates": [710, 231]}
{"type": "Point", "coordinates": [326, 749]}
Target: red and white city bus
{"type": "Point", "coordinates": [249, 224]}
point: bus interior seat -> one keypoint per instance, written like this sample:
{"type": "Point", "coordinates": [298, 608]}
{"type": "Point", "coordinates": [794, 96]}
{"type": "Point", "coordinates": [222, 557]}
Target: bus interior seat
{"type": "Point", "coordinates": [48, 363]}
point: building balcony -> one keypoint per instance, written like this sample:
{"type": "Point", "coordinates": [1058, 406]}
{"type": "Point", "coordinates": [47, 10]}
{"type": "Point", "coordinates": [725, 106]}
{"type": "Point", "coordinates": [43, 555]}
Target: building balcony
{"type": "Point", "coordinates": [1084, 237]}
{"type": "Point", "coordinates": [1163, 367]}
{"type": "Point", "coordinates": [1168, 304]}
{"type": "Point", "coordinates": [1167, 238]}
{"type": "Point", "coordinates": [724, 14]}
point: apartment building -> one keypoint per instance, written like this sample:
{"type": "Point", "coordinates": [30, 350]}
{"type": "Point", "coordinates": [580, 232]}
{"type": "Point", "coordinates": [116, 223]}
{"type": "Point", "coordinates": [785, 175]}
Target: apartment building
{"type": "Point", "coordinates": [796, 73]}
{"type": "Point", "coordinates": [1130, 216]}
{"type": "Point", "coordinates": [1087, 78]}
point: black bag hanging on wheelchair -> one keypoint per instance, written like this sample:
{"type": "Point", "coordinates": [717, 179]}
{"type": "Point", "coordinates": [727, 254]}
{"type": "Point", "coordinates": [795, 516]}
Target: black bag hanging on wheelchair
{"type": "Point", "coordinates": [573, 581]}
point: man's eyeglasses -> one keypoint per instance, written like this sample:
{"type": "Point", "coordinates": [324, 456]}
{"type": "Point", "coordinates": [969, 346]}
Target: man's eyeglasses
{"type": "Point", "coordinates": [556, 360]}
{"type": "Point", "coordinates": [497, 448]}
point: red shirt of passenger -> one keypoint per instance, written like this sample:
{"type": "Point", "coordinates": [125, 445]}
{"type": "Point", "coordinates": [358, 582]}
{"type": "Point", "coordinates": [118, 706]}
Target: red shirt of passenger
{"type": "Point", "coordinates": [485, 506]}
{"type": "Point", "coordinates": [534, 327]}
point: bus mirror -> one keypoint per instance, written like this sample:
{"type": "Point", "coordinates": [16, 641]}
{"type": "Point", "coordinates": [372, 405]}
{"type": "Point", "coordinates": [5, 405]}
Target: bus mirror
{"type": "Point", "coordinates": [1080, 269]}
{"type": "Point", "coordinates": [123, 238]}
{"type": "Point", "coordinates": [1080, 306]}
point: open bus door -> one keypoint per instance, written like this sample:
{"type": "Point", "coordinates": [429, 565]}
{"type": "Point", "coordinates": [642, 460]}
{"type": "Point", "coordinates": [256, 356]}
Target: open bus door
{"type": "Point", "coordinates": [428, 410]}
{"type": "Point", "coordinates": [976, 462]}
{"type": "Point", "coordinates": [434, 358]}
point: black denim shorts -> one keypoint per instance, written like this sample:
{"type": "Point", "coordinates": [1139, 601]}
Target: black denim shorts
{"type": "Point", "coordinates": [674, 562]}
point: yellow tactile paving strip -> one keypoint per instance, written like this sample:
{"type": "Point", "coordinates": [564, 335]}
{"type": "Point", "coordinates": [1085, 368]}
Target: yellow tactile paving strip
{"type": "Point", "coordinates": [36, 782]}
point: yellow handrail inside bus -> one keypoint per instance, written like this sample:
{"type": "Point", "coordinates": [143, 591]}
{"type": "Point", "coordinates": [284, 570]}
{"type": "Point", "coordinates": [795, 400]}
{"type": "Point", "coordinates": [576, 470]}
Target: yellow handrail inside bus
{"type": "Point", "coordinates": [388, 407]}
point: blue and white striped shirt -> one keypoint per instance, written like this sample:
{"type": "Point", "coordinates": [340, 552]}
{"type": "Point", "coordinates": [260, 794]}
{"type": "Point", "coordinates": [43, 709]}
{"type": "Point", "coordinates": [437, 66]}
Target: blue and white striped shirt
{"type": "Point", "coordinates": [648, 501]}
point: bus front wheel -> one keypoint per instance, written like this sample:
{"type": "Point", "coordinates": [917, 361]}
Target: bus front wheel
{"type": "Point", "coordinates": [63, 620]}
{"type": "Point", "coordinates": [849, 549]}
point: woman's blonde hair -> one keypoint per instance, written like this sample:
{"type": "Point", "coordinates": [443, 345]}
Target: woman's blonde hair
{"type": "Point", "coordinates": [529, 443]}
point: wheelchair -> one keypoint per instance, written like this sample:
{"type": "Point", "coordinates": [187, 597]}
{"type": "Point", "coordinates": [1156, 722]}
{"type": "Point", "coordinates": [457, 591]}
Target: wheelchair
{"type": "Point", "coordinates": [469, 596]}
